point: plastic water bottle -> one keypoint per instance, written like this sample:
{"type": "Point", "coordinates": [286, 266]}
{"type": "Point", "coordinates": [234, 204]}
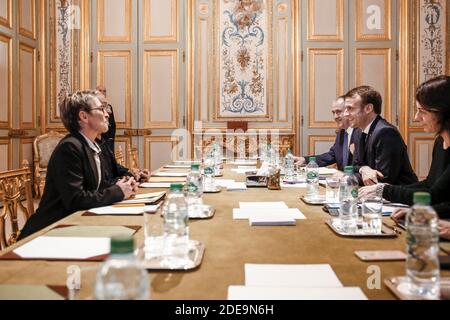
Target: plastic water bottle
{"type": "Point", "coordinates": [176, 229]}
{"type": "Point", "coordinates": [422, 241]}
{"type": "Point", "coordinates": [312, 179]}
{"type": "Point", "coordinates": [348, 197]}
{"type": "Point", "coordinates": [194, 191]}
{"type": "Point", "coordinates": [209, 171]}
{"type": "Point", "coordinates": [289, 172]}
{"type": "Point", "coordinates": [122, 277]}
{"type": "Point", "coordinates": [217, 159]}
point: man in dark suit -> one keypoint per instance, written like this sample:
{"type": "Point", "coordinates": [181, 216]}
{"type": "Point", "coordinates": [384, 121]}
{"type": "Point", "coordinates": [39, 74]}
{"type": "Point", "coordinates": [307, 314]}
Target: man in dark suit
{"type": "Point", "coordinates": [74, 178]}
{"type": "Point", "coordinates": [382, 154]}
{"type": "Point", "coordinates": [343, 148]}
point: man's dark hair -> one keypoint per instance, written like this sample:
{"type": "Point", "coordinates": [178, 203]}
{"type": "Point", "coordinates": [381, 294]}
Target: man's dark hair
{"type": "Point", "coordinates": [71, 106]}
{"type": "Point", "coordinates": [368, 95]}
{"type": "Point", "coordinates": [434, 96]}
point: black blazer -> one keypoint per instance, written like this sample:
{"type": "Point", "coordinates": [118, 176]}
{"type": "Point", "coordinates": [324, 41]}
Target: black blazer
{"type": "Point", "coordinates": [112, 170]}
{"type": "Point", "coordinates": [71, 185]}
{"type": "Point", "coordinates": [385, 151]}
{"type": "Point", "coordinates": [335, 155]}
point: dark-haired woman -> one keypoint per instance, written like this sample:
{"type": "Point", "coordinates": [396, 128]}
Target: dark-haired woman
{"type": "Point", "coordinates": [433, 111]}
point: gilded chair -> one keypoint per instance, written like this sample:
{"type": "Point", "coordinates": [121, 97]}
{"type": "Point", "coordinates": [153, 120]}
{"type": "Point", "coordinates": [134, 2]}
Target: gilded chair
{"type": "Point", "coordinates": [15, 187]}
{"type": "Point", "coordinates": [43, 148]}
{"type": "Point", "coordinates": [133, 158]}
{"type": "Point", "coordinates": [119, 156]}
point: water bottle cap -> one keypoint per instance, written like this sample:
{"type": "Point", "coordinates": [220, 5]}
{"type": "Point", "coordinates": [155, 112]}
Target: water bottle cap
{"type": "Point", "coordinates": [289, 151]}
{"type": "Point", "coordinates": [312, 159]}
{"type": "Point", "coordinates": [122, 244]}
{"type": "Point", "coordinates": [348, 169]}
{"type": "Point", "coordinates": [422, 197]}
{"type": "Point", "coordinates": [176, 187]}
{"type": "Point", "coordinates": [195, 167]}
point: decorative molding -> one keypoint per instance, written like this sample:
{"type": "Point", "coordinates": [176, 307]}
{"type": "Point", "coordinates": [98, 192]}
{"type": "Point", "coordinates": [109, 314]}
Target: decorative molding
{"type": "Point", "coordinates": [7, 142]}
{"type": "Point", "coordinates": [7, 21]}
{"type": "Point", "coordinates": [101, 37]}
{"type": "Point", "coordinates": [415, 155]}
{"type": "Point", "coordinates": [318, 138]}
{"type": "Point", "coordinates": [338, 36]}
{"type": "Point", "coordinates": [204, 66]}
{"type": "Point", "coordinates": [22, 30]}
{"type": "Point", "coordinates": [23, 142]}
{"type": "Point", "coordinates": [27, 125]}
{"type": "Point", "coordinates": [312, 53]}
{"type": "Point", "coordinates": [148, 123]}
{"type": "Point", "coordinates": [170, 38]}
{"type": "Point", "coordinates": [8, 41]}
{"type": "Point", "coordinates": [126, 141]}
{"type": "Point", "coordinates": [241, 106]}
{"type": "Point", "coordinates": [386, 35]}
{"type": "Point", "coordinates": [387, 72]}
{"type": "Point", "coordinates": [282, 70]}
{"type": "Point", "coordinates": [101, 55]}
{"type": "Point", "coordinates": [148, 153]}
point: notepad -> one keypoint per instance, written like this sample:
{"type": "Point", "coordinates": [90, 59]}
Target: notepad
{"type": "Point", "coordinates": [167, 180]}
{"type": "Point", "coordinates": [327, 171]}
{"type": "Point", "coordinates": [132, 210]}
{"type": "Point", "coordinates": [177, 166]}
{"type": "Point", "coordinates": [150, 185]}
{"type": "Point", "coordinates": [263, 205]}
{"type": "Point", "coordinates": [242, 171]}
{"type": "Point", "coordinates": [291, 275]}
{"type": "Point", "coordinates": [283, 293]}
{"type": "Point", "coordinates": [283, 219]}
{"type": "Point", "coordinates": [224, 182]}
{"type": "Point", "coordinates": [236, 186]}
{"type": "Point", "coordinates": [294, 185]}
{"type": "Point", "coordinates": [64, 248]}
{"type": "Point", "coordinates": [170, 174]}
{"type": "Point", "coordinates": [240, 214]}
{"type": "Point", "coordinates": [244, 162]}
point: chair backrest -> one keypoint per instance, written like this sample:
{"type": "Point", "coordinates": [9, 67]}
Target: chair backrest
{"type": "Point", "coordinates": [133, 158]}
{"type": "Point", "coordinates": [43, 148]}
{"type": "Point", "coordinates": [15, 186]}
{"type": "Point", "coordinates": [119, 156]}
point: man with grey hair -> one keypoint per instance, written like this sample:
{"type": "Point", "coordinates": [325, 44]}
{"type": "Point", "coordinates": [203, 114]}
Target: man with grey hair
{"type": "Point", "coordinates": [341, 153]}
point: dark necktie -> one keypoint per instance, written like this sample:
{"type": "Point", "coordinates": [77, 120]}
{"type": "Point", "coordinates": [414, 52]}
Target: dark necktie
{"type": "Point", "coordinates": [345, 150]}
{"type": "Point", "coordinates": [363, 150]}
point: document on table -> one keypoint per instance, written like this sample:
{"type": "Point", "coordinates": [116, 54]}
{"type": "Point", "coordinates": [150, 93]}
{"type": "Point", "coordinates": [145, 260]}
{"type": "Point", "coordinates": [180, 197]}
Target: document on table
{"type": "Point", "coordinates": [284, 293]}
{"type": "Point", "coordinates": [270, 219]}
{"type": "Point", "coordinates": [301, 185]}
{"type": "Point", "coordinates": [241, 214]}
{"type": "Point", "coordinates": [150, 185]}
{"type": "Point", "coordinates": [122, 210]}
{"type": "Point", "coordinates": [177, 166]}
{"type": "Point", "coordinates": [327, 171]}
{"type": "Point", "coordinates": [65, 248]}
{"type": "Point", "coordinates": [243, 171]}
{"type": "Point", "coordinates": [286, 275]}
{"type": "Point", "coordinates": [170, 174]}
{"type": "Point", "coordinates": [263, 205]}
{"type": "Point", "coordinates": [143, 199]}
{"type": "Point", "coordinates": [244, 162]}
{"type": "Point", "coordinates": [224, 182]}
{"type": "Point", "coordinates": [237, 186]}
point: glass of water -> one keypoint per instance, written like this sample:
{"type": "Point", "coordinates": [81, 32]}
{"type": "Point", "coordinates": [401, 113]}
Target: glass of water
{"type": "Point", "coordinates": [154, 234]}
{"type": "Point", "coordinates": [372, 214]}
{"type": "Point", "coordinates": [300, 170]}
{"type": "Point", "coordinates": [332, 194]}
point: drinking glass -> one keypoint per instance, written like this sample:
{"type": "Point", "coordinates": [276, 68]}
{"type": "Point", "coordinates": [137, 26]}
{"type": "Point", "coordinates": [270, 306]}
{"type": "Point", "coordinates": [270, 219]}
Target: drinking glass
{"type": "Point", "coordinates": [332, 194]}
{"type": "Point", "coordinates": [372, 214]}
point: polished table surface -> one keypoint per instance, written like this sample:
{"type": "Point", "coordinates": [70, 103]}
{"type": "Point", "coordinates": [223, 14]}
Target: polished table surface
{"type": "Point", "coordinates": [229, 245]}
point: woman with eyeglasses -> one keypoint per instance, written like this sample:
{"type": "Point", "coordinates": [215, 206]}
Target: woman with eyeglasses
{"type": "Point", "coordinates": [433, 112]}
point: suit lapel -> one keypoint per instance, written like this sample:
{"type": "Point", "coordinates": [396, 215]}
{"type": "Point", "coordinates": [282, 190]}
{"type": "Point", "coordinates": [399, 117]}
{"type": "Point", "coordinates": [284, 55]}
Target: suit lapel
{"type": "Point", "coordinates": [93, 177]}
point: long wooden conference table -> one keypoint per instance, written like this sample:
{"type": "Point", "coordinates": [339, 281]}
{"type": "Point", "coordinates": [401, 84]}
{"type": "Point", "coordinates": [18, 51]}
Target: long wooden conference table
{"type": "Point", "coordinates": [230, 244]}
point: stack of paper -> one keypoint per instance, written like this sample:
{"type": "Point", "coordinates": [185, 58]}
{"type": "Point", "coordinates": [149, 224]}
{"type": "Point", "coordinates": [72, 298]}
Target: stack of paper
{"type": "Point", "coordinates": [267, 214]}
{"type": "Point", "coordinates": [299, 185]}
{"type": "Point", "coordinates": [244, 162]}
{"type": "Point", "coordinates": [155, 185]}
{"type": "Point", "coordinates": [124, 210]}
{"type": "Point", "coordinates": [292, 282]}
{"type": "Point", "coordinates": [141, 199]}
{"type": "Point", "coordinates": [170, 174]}
{"type": "Point", "coordinates": [327, 171]}
{"type": "Point", "coordinates": [237, 186]}
{"type": "Point", "coordinates": [243, 171]}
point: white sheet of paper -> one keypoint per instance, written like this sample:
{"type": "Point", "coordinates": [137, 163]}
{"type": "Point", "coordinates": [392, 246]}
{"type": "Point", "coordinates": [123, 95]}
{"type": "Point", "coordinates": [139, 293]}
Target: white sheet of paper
{"type": "Point", "coordinates": [242, 171]}
{"type": "Point", "coordinates": [244, 163]}
{"type": "Point", "coordinates": [263, 205]}
{"type": "Point", "coordinates": [327, 171]}
{"type": "Point", "coordinates": [170, 174]}
{"type": "Point", "coordinates": [187, 162]}
{"type": "Point", "coordinates": [294, 185]}
{"type": "Point", "coordinates": [155, 185]}
{"type": "Point", "coordinates": [110, 210]}
{"type": "Point", "coordinates": [177, 166]}
{"type": "Point", "coordinates": [283, 293]}
{"type": "Point", "coordinates": [283, 219]}
{"type": "Point", "coordinates": [241, 214]}
{"type": "Point", "coordinates": [237, 186]}
{"type": "Point", "coordinates": [224, 182]}
{"type": "Point", "coordinates": [252, 168]}
{"type": "Point", "coordinates": [64, 248]}
{"type": "Point", "coordinates": [291, 275]}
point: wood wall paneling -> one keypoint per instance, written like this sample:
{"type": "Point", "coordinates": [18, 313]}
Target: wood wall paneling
{"type": "Point", "coordinates": [160, 21]}
{"type": "Point", "coordinates": [6, 13]}
{"type": "Point", "coordinates": [114, 23]}
{"type": "Point", "coordinates": [5, 81]}
{"type": "Point", "coordinates": [325, 20]}
{"type": "Point", "coordinates": [319, 144]}
{"type": "Point", "coordinates": [26, 12]}
{"type": "Point", "coordinates": [5, 154]}
{"type": "Point", "coordinates": [373, 20]}
{"type": "Point", "coordinates": [27, 86]}
{"type": "Point", "coordinates": [165, 147]}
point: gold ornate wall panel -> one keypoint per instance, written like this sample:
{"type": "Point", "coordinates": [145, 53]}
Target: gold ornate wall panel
{"type": "Point", "coordinates": [160, 21]}
{"type": "Point", "coordinates": [6, 13]}
{"type": "Point", "coordinates": [26, 17]}
{"type": "Point", "coordinates": [325, 83]}
{"type": "Point", "coordinates": [164, 146]}
{"type": "Point", "coordinates": [282, 64]}
{"type": "Point", "coordinates": [114, 71]}
{"type": "Point", "coordinates": [325, 20]}
{"type": "Point", "coordinates": [373, 68]}
{"type": "Point", "coordinates": [5, 154]}
{"type": "Point", "coordinates": [26, 150]}
{"type": "Point", "coordinates": [5, 81]}
{"type": "Point", "coordinates": [319, 144]}
{"type": "Point", "coordinates": [27, 86]}
{"type": "Point", "coordinates": [373, 20]}
{"type": "Point", "coordinates": [114, 23]}
{"type": "Point", "coordinates": [161, 88]}
{"type": "Point", "coordinates": [422, 152]}
{"type": "Point", "coordinates": [124, 142]}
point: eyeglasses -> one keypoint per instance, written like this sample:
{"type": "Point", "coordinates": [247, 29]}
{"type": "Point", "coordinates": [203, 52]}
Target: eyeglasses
{"type": "Point", "coordinates": [104, 109]}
